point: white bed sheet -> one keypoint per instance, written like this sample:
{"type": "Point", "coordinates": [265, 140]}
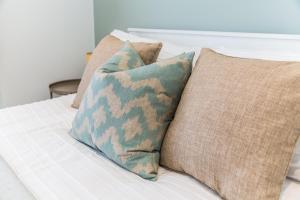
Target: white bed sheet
{"type": "Point", "coordinates": [34, 141]}
{"type": "Point", "coordinates": [10, 186]}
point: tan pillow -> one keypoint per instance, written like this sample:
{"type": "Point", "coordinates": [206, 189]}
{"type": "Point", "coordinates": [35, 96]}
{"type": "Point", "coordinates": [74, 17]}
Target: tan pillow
{"type": "Point", "coordinates": [107, 47]}
{"type": "Point", "coordinates": [236, 126]}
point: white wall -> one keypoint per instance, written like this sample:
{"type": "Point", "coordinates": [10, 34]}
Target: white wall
{"type": "Point", "coordinates": [41, 41]}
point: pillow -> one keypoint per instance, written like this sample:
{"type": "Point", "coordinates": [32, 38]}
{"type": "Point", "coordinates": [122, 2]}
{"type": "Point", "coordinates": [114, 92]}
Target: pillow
{"type": "Point", "coordinates": [168, 50]}
{"type": "Point", "coordinates": [107, 47]}
{"type": "Point", "coordinates": [125, 58]}
{"type": "Point", "coordinates": [124, 36]}
{"type": "Point", "coordinates": [125, 114]}
{"type": "Point", "coordinates": [236, 126]}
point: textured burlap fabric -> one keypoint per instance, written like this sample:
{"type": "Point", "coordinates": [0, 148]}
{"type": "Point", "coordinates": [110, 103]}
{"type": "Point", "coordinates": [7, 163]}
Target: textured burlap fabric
{"type": "Point", "coordinates": [107, 47]}
{"type": "Point", "coordinates": [236, 126]}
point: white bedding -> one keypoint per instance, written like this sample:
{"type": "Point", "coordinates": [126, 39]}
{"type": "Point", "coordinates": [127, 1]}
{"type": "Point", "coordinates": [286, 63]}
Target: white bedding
{"type": "Point", "coordinates": [10, 186]}
{"type": "Point", "coordinates": [34, 141]}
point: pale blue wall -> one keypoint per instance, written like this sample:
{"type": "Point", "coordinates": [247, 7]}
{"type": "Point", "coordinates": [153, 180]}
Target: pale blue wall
{"type": "Point", "coordinates": [269, 16]}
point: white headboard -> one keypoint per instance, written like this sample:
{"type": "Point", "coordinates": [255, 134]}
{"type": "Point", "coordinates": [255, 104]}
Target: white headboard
{"type": "Point", "coordinates": [257, 45]}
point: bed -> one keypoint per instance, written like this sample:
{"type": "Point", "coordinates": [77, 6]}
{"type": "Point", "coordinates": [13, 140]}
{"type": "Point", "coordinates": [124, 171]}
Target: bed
{"type": "Point", "coordinates": [44, 162]}
{"type": "Point", "coordinates": [39, 160]}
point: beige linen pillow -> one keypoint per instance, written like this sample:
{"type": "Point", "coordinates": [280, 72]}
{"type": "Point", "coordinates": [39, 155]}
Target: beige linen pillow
{"type": "Point", "coordinates": [106, 48]}
{"type": "Point", "coordinates": [236, 126]}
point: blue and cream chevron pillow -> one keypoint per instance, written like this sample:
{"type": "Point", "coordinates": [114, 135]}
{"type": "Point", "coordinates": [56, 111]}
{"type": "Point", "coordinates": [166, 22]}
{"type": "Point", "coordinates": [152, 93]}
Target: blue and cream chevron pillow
{"type": "Point", "coordinates": [126, 58]}
{"type": "Point", "coordinates": [125, 114]}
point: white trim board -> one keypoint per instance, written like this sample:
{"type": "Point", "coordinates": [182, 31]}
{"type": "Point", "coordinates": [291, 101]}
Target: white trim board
{"type": "Point", "coordinates": [257, 45]}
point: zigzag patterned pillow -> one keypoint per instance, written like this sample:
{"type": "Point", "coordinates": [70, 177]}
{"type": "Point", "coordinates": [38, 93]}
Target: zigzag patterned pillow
{"type": "Point", "coordinates": [125, 114]}
{"type": "Point", "coordinates": [126, 58]}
